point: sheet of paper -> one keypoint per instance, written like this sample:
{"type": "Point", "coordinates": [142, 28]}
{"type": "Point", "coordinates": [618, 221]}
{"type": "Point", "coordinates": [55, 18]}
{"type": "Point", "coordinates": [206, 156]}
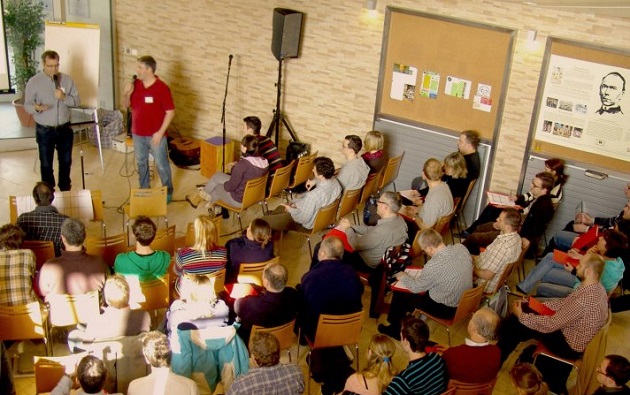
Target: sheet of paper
{"type": "Point", "coordinates": [413, 272]}
{"type": "Point", "coordinates": [403, 82]}
{"type": "Point", "coordinates": [499, 199]}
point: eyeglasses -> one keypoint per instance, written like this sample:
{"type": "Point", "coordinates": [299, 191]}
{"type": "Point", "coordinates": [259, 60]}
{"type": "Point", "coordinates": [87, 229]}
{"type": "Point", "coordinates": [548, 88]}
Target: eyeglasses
{"type": "Point", "coordinates": [536, 186]}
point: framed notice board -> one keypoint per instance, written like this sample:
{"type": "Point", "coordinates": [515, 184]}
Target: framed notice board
{"type": "Point", "coordinates": [582, 113]}
{"type": "Point", "coordinates": [442, 72]}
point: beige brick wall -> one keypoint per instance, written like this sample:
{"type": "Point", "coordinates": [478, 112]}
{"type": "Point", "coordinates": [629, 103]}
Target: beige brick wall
{"type": "Point", "coordinates": [330, 90]}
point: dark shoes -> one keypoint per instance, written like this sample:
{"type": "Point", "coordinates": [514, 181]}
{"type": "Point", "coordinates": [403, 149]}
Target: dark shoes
{"type": "Point", "coordinates": [390, 331]}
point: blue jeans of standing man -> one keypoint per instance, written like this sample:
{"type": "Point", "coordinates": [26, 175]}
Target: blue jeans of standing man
{"type": "Point", "coordinates": [142, 146]}
{"type": "Point", "coordinates": [48, 139]}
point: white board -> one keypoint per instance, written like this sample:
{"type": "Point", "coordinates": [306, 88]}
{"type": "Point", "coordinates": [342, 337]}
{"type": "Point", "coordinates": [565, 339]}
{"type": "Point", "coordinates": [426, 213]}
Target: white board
{"type": "Point", "coordinates": [78, 46]}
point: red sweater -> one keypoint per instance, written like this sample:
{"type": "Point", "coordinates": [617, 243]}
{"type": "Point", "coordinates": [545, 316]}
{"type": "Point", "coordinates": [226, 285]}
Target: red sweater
{"type": "Point", "coordinates": [470, 364]}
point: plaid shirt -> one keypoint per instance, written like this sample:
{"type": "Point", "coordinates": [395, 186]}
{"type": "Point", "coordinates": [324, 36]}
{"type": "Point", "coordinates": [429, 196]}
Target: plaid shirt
{"type": "Point", "coordinates": [579, 316]}
{"type": "Point", "coordinates": [306, 206]}
{"type": "Point", "coordinates": [274, 380]}
{"type": "Point", "coordinates": [504, 250]}
{"type": "Point", "coordinates": [17, 269]}
{"type": "Point", "coordinates": [43, 224]}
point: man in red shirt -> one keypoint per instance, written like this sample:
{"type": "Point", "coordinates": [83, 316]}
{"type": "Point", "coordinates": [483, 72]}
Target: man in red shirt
{"type": "Point", "coordinates": [153, 110]}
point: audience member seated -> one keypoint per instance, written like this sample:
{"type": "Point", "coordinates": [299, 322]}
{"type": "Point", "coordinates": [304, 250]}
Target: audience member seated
{"type": "Point", "coordinates": [505, 249]}
{"type": "Point", "coordinates": [157, 352]}
{"type": "Point", "coordinates": [205, 256]}
{"type": "Point", "coordinates": [455, 176]}
{"type": "Point", "coordinates": [380, 370]}
{"type": "Point", "coordinates": [537, 214]}
{"type": "Point", "coordinates": [331, 287]}
{"type": "Point", "coordinates": [43, 223]}
{"type": "Point", "coordinates": [613, 374]}
{"type": "Point", "coordinates": [567, 332]}
{"type": "Point", "coordinates": [143, 262]}
{"type": "Point", "coordinates": [116, 319]}
{"type": "Point", "coordinates": [426, 373]}
{"type": "Point", "coordinates": [527, 380]}
{"type": "Point", "coordinates": [276, 305]}
{"type": "Point", "coordinates": [17, 268]}
{"type": "Point", "coordinates": [74, 272]}
{"type": "Point", "coordinates": [91, 374]}
{"type": "Point", "coordinates": [559, 279]}
{"type": "Point", "coordinates": [253, 247]}
{"type": "Point", "coordinates": [439, 287]}
{"type": "Point", "coordinates": [354, 172]}
{"type": "Point", "coordinates": [438, 202]}
{"type": "Point", "coordinates": [553, 166]}
{"type": "Point", "coordinates": [477, 360]}
{"type": "Point", "coordinates": [374, 156]}
{"type": "Point", "coordinates": [230, 188]}
{"type": "Point", "coordinates": [197, 302]}
{"type": "Point", "coordinates": [266, 147]}
{"type": "Point", "coordinates": [268, 376]}
{"type": "Point", "coordinates": [300, 213]}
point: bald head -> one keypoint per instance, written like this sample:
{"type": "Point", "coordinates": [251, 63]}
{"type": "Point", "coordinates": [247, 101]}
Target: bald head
{"type": "Point", "coordinates": [330, 248]}
{"type": "Point", "coordinates": [484, 323]}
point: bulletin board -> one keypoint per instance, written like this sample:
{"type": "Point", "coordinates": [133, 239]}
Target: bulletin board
{"type": "Point", "coordinates": [570, 119]}
{"type": "Point", "coordinates": [78, 46]}
{"type": "Point", "coordinates": [443, 72]}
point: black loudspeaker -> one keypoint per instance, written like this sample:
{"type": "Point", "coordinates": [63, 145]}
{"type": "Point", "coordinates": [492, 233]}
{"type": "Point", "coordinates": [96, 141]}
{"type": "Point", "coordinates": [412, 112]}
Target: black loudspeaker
{"type": "Point", "coordinates": [287, 32]}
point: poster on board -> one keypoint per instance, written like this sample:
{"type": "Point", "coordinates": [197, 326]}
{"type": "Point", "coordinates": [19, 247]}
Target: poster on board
{"type": "Point", "coordinates": [584, 107]}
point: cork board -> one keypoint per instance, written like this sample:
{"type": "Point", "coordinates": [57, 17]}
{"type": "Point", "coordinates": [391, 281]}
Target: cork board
{"type": "Point", "coordinates": [460, 53]}
{"type": "Point", "coordinates": [583, 55]}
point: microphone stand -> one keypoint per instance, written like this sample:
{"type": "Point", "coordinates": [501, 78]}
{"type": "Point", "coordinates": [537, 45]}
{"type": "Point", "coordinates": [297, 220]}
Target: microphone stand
{"type": "Point", "coordinates": [227, 81]}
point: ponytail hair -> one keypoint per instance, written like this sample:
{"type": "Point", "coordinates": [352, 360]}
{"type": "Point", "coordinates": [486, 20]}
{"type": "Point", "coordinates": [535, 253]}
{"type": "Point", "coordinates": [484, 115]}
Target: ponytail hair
{"type": "Point", "coordinates": [261, 231]}
{"type": "Point", "coordinates": [380, 362]}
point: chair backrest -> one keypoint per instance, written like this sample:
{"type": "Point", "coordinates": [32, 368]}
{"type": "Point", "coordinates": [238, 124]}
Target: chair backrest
{"type": "Point", "coordinates": [503, 278]}
{"type": "Point", "coordinates": [49, 370]}
{"type": "Point", "coordinates": [415, 246]}
{"type": "Point", "coordinates": [284, 333]}
{"type": "Point", "coordinates": [469, 302]}
{"type": "Point", "coordinates": [338, 330]}
{"type": "Point", "coordinates": [150, 295]}
{"type": "Point", "coordinates": [460, 208]}
{"type": "Point", "coordinates": [149, 202]}
{"type": "Point", "coordinates": [67, 309]}
{"type": "Point", "coordinates": [13, 212]}
{"type": "Point", "coordinates": [349, 201]}
{"type": "Point", "coordinates": [593, 355]}
{"type": "Point", "coordinates": [190, 230]}
{"type": "Point", "coordinates": [165, 240]}
{"type": "Point", "coordinates": [449, 391]}
{"type": "Point", "coordinates": [43, 250]}
{"type": "Point", "coordinates": [443, 223]}
{"type": "Point", "coordinates": [22, 322]}
{"type": "Point", "coordinates": [280, 180]}
{"type": "Point", "coordinates": [303, 169]}
{"type": "Point", "coordinates": [107, 248]}
{"type": "Point", "coordinates": [390, 172]}
{"type": "Point", "coordinates": [254, 191]}
{"type": "Point", "coordinates": [325, 216]}
{"type": "Point", "coordinates": [472, 389]}
{"type": "Point", "coordinates": [97, 205]}
{"type": "Point", "coordinates": [251, 273]}
{"type": "Point", "coordinates": [218, 279]}
{"type": "Point", "coordinates": [370, 187]}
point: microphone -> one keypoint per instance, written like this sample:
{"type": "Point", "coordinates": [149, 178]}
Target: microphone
{"type": "Point", "coordinates": [56, 80]}
{"type": "Point", "coordinates": [134, 78]}
{"type": "Point", "coordinates": [230, 63]}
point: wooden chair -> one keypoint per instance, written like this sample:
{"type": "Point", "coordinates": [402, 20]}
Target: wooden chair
{"type": "Point", "coordinates": [43, 250]}
{"type": "Point", "coordinates": [49, 370]}
{"type": "Point", "coordinates": [190, 231]}
{"type": "Point", "coordinates": [586, 381]}
{"type": "Point", "coordinates": [502, 279]}
{"type": "Point", "coordinates": [370, 187]}
{"type": "Point", "coordinates": [13, 212]}
{"type": "Point", "coordinates": [468, 304]}
{"type": "Point", "coordinates": [325, 216]}
{"type": "Point", "coordinates": [251, 273]}
{"type": "Point", "coordinates": [442, 225]}
{"type": "Point", "coordinates": [449, 391]}
{"type": "Point", "coordinates": [23, 322]}
{"type": "Point", "coordinates": [107, 248]}
{"type": "Point", "coordinates": [520, 265]}
{"type": "Point", "coordinates": [149, 295]}
{"type": "Point", "coordinates": [68, 310]}
{"type": "Point", "coordinates": [149, 202]}
{"type": "Point", "coordinates": [218, 278]}
{"type": "Point", "coordinates": [348, 204]}
{"type": "Point", "coordinates": [284, 333]}
{"type": "Point", "coordinates": [333, 331]}
{"type": "Point", "coordinates": [279, 182]}
{"type": "Point", "coordinates": [97, 206]}
{"type": "Point", "coordinates": [165, 240]}
{"type": "Point", "coordinates": [459, 209]}
{"type": "Point", "coordinates": [254, 193]}
{"type": "Point", "coordinates": [303, 171]}
{"type": "Point", "coordinates": [390, 172]}
{"type": "Point", "coordinates": [472, 389]}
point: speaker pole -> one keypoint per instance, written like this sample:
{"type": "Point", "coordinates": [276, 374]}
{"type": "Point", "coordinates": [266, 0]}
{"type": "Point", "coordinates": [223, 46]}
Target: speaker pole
{"type": "Point", "coordinates": [227, 82]}
{"type": "Point", "coordinates": [278, 116]}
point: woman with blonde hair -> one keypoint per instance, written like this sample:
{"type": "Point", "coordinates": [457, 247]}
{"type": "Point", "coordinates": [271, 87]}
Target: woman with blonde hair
{"type": "Point", "coordinates": [254, 246]}
{"type": "Point", "coordinates": [374, 155]}
{"type": "Point", "coordinates": [527, 380]}
{"type": "Point", "coordinates": [379, 370]}
{"type": "Point", "coordinates": [455, 174]}
{"type": "Point", "coordinates": [205, 256]}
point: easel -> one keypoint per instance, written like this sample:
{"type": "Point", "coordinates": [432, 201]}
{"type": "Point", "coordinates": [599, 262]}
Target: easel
{"type": "Point", "coordinates": [278, 116]}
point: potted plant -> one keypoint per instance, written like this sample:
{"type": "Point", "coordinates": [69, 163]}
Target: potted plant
{"type": "Point", "coordinates": [24, 21]}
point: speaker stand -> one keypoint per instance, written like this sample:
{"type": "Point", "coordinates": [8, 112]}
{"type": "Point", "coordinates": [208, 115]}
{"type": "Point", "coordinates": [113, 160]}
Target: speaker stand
{"type": "Point", "coordinates": [278, 116]}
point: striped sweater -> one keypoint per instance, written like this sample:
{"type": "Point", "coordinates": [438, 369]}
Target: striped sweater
{"type": "Point", "coordinates": [423, 376]}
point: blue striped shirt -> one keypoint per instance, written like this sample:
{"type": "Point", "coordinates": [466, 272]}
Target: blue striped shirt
{"type": "Point", "coordinates": [423, 376]}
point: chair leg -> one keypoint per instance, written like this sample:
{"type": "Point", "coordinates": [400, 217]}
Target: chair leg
{"type": "Point", "coordinates": [289, 352]}
{"type": "Point", "coordinates": [448, 334]}
{"type": "Point", "coordinates": [356, 349]}
{"type": "Point", "coordinates": [308, 377]}
{"type": "Point", "coordinates": [310, 251]}
{"type": "Point", "coordinates": [239, 222]}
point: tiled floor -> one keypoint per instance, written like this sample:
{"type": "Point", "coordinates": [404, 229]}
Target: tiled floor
{"type": "Point", "coordinates": [19, 172]}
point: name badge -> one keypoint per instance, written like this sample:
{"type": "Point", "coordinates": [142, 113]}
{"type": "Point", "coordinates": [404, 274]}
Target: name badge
{"type": "Point", "coordinates": [148, 99]}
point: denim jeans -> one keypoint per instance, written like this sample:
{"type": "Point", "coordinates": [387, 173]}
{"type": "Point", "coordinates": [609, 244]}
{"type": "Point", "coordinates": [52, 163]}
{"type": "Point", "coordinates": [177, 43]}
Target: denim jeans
{"type": "Point", "coordinates": [563, 239]}
{"type": "Point", "coordinates": [142, 146]}
{"type": "Point", "coordinates": [48, 139]}
{"type": "Point", "coordinates": [548, 271]}
{"type": "Point", "coordinates": [549, 290]}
